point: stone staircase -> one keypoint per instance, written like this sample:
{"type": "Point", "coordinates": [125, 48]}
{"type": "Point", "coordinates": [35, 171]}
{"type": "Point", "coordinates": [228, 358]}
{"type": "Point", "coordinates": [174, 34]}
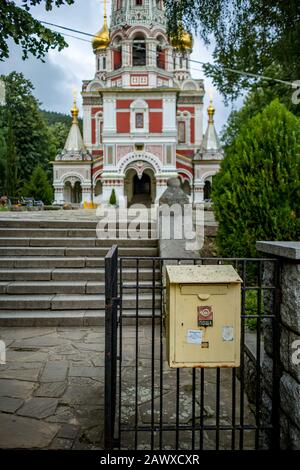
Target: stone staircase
{"type": "Point", "coordinates": [52, 273]}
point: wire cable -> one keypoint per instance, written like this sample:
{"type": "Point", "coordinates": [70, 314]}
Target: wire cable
{"type": "Point", "coordinates": [239, 72]}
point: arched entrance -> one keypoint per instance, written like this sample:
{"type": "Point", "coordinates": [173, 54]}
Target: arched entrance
{"type": "Point", "coordinates": [140, 188]}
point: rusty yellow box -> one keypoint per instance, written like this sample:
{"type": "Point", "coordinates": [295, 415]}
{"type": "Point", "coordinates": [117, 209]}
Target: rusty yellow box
{"type": "Point", "coordinates": [203, 316]}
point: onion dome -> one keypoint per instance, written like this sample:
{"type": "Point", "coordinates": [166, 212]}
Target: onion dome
{"type": "Point", "coordinates": [184, 40]}
{"type": "Point", "coordinates": [101, 40]}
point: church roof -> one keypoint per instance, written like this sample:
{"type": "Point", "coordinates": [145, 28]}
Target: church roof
{"type": "Point", "coordinates": [74, 148]}
{"type": "Point", "coordinates": [211, 140]}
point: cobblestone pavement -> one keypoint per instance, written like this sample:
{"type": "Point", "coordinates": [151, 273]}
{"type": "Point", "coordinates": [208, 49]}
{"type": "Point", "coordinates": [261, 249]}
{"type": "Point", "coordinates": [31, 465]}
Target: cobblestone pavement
{"type": "Point", "coordinates": [52, 389]}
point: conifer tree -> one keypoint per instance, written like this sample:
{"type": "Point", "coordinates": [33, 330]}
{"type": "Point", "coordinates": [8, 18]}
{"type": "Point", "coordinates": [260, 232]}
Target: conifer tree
{"type": "Point", "coordinates": [256, 194]}
{"type": "Point", "coordinates": [38, 187]}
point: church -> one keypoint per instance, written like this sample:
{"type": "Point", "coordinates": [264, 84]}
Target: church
{"type": "Point", "coordinates": [143, 116]}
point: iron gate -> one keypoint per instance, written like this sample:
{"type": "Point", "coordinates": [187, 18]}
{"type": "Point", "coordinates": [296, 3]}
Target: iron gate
{"type": "Point", "coordinates": [150, 406]}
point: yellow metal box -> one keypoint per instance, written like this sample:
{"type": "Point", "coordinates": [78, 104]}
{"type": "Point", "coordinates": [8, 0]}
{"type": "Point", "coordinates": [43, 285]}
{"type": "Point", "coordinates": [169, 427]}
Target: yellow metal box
{"type": "Point", "coordinates": [203, 316]}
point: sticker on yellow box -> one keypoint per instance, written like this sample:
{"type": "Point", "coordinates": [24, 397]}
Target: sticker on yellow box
{"type": "Point", "coordinates": [228, 333]}
{"type": "Point", "coordinates": [205, 316]}
{"type": "Point", "coordinates": [194, 336]}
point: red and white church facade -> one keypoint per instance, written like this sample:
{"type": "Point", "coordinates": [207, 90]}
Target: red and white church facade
{"type": "Point", "coordinates": [142, 116]}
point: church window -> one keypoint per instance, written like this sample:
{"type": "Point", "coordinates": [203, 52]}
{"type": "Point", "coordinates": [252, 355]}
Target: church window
{"type": "Point", "coordinates": [187, 63]}
{"type": "Point", "coordinates": [119, 4]}
{"type": "Point", "coordinates": [181, 132]}
{"type": "Point", "coordinates": [101, 132]}
{"type": "Point", "coordinates": [160, 58]}
{"type": "Point", "coordinates": [139, 51]}
{"type": "Point", "coordinates": [139, 120]}
{"type": "Point", "coordinates": [139, 2]}
{"type": "Point", "coordinates": [110, 155]}
{"type": "Point", "coordinates": [174, 63]}
{"type": "Point", "coordinates": [181, 62]}
{"type": "Point", "coordinates": [104, 63]}
{"type": "Point", "coordinates": [169, 155]}
{"type": "Point", "coordinates": [117, 58]}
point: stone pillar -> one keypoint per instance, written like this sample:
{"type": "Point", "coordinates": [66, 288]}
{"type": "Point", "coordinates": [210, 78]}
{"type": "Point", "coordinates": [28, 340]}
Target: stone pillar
{"type": "Point", "coordinates": [288, 254]}
{"type": "Point", "coordinates": [58, 194]}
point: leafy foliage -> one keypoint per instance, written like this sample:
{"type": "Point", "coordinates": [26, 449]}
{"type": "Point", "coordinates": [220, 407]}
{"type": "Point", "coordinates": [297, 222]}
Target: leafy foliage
{"type": "Point", "coordinates": [256, 193]}
{"type": "Point", "coordinates": [39, 187]}
{"type": "Point", "coordinates": [2, 161]}
{"type": "Point", "coordinates": [36, 136]}
{"type": "Point", "coordinates": [18, 24]}
{"type": "Point", "coordinates": [246, 35]}
{"type": "Point", "coordinates": [11, 163]}
{"type": "Point", "coordinates": [30, 131]}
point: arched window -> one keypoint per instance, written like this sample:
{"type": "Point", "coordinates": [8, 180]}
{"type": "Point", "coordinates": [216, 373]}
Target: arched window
{"type": "Point", "coordinates": [117, 57]}
{"type": "Point", "coordinates": [139, 2]}
{"type": "Point", "coordinates": [139, 51]}
{"type": "Point", "coordinates": [207, 190]}
{"type": "Point", "coordinates": [104, 63]}
{"type": "Point", "coordinates": [160, 58]}
{"type": "Point", "coordinates": [139, 121]}
{"type": "Point", "coordinates": [181, 132]}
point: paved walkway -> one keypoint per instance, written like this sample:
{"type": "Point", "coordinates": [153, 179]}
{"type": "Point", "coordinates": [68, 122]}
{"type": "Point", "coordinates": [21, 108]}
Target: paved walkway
{"type": "Point", "coordinates": [52, 389]}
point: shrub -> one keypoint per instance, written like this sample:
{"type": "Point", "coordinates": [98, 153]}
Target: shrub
{"type": "Point", "coordinates": [256, 193]}
{"type": "Point", "coordinates": [113, 199]}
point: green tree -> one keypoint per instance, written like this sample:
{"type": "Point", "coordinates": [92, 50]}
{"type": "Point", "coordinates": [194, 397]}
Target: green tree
{"type": "Point", "coordinates": [17, 23]}
{"type": "Point", "coordinates": [246, 35]}
{"type": "Point", "coordinates": [11, 163]}
{"type": "Point", "coordinates": [58, 134]}
{"type": "Point", "coordinates": [39, 187]}
{"type": "Point", "coordinates": [2, 161]}
{"type": "Point", "coordinates": [29, 129]}
{"type": "Point", "coordinates": [257, 191]}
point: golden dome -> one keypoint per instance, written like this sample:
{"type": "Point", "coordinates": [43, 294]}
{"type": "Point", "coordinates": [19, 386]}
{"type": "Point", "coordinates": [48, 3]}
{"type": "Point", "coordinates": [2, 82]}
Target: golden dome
{"type": "Point", "coordinates": [211, 112]}
{"type": "Point", "coordinates": [101, 40]}
{"type": "Point", "coordinates": [184, 40]}
{"type": "Point", "coordinates": [75, 110]}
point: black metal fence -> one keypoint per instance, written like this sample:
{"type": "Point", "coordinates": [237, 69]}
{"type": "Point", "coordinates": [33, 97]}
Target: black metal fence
{"type": "Point", "coordinates": [150, 406]}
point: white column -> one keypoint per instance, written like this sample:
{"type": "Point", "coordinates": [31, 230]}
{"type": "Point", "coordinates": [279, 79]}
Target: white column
{"type": "Point", "coordinates": [169, 114]}
{"type": "Point", "coordinates": [87, 126]}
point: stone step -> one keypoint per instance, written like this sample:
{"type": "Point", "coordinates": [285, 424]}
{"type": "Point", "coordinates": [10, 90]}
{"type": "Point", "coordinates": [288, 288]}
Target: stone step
{"type": "Point", "coordinates": [16, 239]}
{"type": "Point", "coordinates": [70, 275]}
{"type": "Point", "coordinates": [14, 251]}
{"type": "Point", "coordinates": [71, 302]}
{"type": "Point", "coordinates": [46, 318]}
{"type": "Point", "coordinates": [67, 287]}
{"type": "Point", "coordinates": [68, 224]}
{"type": "Point", "coordinates": [63, 262]}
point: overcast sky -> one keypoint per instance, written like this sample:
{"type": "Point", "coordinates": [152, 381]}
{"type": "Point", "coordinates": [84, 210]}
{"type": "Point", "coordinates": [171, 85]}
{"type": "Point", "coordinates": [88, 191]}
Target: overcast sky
{"type": "Point", "coordinates": [63, 71]}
